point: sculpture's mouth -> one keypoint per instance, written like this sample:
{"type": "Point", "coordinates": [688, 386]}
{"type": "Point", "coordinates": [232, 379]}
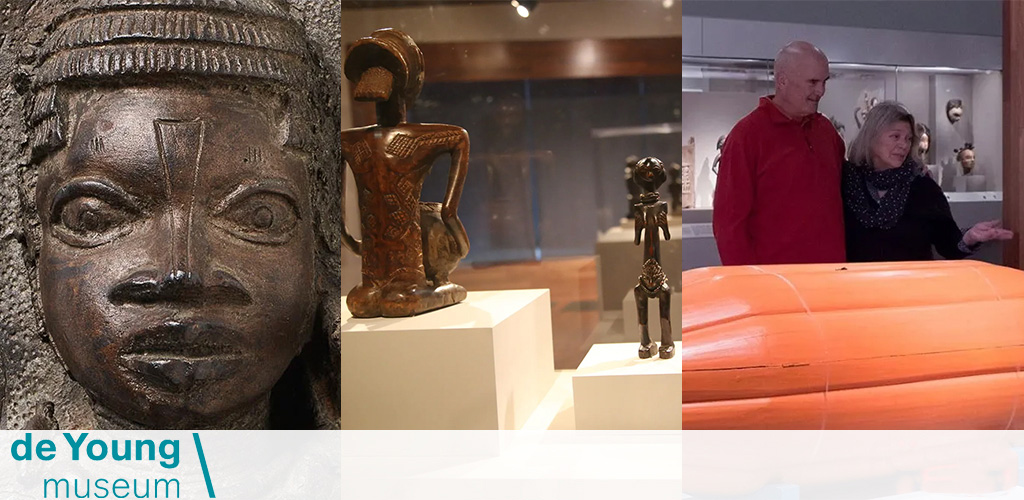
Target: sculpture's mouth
{"type": "Point", "coordinates": [179, 355]}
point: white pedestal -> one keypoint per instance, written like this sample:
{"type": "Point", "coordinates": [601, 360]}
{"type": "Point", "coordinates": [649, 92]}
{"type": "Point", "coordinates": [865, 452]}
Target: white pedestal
{"type": "Point", "coordinates": [620, 261]}
{"type": "Point", "coordinates": [969, 183]}
{"type": "Point", "coordinates": [630, 324]}
{"type": "Point", "coordinates": [615, 389]}
{"type": "Point", "coordinates": [484, 363]}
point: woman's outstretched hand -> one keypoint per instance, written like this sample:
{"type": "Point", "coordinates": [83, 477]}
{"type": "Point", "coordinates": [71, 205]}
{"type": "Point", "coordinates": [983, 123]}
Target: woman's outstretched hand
{"type": "Point", "coordinates": [986, 231]}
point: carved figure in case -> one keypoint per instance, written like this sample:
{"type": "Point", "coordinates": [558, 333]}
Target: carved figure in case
{"type": "Point", "coordinates": [651, 216]}
{"type": "Point", "coordinates": [861, 112]}
{"type": "Point", "coordinates": [408, 247]}
{"type": "Point", "coordinates": [965, 156]}
{"type": "Point", "coordinates": [718, 154]}
{"type": "Point", "coordinates": [836, 124]}
{"type": "Point", "coordinates": [632, 190]}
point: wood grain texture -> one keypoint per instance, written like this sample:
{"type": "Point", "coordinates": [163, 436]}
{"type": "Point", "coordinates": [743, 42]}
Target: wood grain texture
{"type": "Point", "coordinates": [857, 346]}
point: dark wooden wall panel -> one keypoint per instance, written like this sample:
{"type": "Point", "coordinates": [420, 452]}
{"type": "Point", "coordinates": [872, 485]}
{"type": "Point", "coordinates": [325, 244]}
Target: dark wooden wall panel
{"type": "Point", "coordinates": [540, 60]}
{"type": "Point", "coordinates": [544, 60]}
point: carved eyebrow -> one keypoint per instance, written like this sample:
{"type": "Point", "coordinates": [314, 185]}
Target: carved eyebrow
{"type": "Point", "coordinates": [277, 186]}
{"type": "Point", "coordinates": [101, 189]}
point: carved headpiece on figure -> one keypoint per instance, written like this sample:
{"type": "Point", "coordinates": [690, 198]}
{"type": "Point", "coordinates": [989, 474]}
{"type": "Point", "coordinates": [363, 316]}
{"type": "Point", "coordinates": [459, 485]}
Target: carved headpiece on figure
{"type": "Point", "coordinates": [191, 120]}
{"type": "Point", "coordinates": [403, 59]}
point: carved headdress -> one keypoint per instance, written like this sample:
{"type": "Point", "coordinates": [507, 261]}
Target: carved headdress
{"type": "Point", "coordinates": [104, 40]}
{"type": "Point", "coordinates": [404, 60]}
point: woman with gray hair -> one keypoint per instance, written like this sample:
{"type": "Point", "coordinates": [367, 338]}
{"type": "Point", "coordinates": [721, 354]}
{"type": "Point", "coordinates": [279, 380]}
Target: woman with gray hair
{"type": "Point", "coordinates": [893, 210]}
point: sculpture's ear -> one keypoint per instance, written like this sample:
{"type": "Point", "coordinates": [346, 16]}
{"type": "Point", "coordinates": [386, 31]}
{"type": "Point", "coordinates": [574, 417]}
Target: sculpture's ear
{"type": "Point", "coordinates": [294, 128]}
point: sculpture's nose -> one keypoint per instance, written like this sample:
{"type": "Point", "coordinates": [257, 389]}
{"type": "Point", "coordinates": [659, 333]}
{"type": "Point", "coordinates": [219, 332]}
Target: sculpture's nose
{"type": "Point", "coordinates": [181, 288]}
{"type": "Point", "coordinates": [180, 264]}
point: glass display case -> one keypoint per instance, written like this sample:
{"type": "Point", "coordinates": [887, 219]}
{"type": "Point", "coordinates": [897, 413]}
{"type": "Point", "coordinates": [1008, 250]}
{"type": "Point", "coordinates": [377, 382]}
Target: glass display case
{"type": "Point", "coordinates": [553, 103]}
{"type": "Point", "coordinates": [718, 92]}
{"type": "Point", "coordinates": [547, 157]}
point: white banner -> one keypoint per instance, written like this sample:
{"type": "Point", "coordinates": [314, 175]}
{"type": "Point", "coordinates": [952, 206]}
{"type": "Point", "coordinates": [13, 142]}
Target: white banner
{"type": "Point", "coordinates": [314, 465]}
{"type": "Point", "coordinates": [803, 465]}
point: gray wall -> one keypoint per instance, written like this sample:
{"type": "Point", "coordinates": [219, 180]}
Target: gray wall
{"type": "Point", "coordinates": [969, 17]}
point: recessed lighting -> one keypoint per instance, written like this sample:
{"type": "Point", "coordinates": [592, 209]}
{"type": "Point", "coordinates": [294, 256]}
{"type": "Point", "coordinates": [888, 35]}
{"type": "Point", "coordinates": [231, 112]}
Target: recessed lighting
{"type": "Point", "coordinates": [525, 7]}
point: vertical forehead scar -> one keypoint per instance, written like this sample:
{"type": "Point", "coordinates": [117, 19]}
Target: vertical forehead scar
{"type": "Point", "coordinates": [180, 145]}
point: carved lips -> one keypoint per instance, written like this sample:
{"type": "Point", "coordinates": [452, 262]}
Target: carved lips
{"type": "Point", "coordinates": [176, 356]}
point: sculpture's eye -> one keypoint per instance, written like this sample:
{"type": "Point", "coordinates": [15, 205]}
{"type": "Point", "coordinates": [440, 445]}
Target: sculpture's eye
{"type": "Point", "coordinates": [90, 213]}
{"type": "Point", "coordinates": [262, 217]}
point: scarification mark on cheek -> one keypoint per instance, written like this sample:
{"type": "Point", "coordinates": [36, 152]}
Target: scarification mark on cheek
{"type": "Point", "coordinates": [254, 156]}
{"type": "Point", "coordinates": [180, 144]}
{"type": "Point", "coordinates": [96, 144]}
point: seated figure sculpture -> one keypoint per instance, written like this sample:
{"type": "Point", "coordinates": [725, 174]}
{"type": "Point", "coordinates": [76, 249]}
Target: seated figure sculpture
{"type": "Point", "coordinates": [186, 275]}
{"type": "Point", "coordinates": [408, 247]}
{"type": "Point", "coordinates": [651, 216]}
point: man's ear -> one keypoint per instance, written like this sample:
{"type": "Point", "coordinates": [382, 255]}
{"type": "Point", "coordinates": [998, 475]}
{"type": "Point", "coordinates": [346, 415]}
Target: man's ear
{"type": "Point", "coordinates": [781, 80]}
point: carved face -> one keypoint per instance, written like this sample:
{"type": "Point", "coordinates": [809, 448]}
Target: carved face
{"type": "Point", "coordinates": [967, 160]}
{"type": "Point", "coordinates": [649, 173]}
{"type": "Point", "coordinates": [954, 110]}
{"type": "Point", "coordinates": [924, 144]}
{"type": "Point", "coordinates": [177, 260]}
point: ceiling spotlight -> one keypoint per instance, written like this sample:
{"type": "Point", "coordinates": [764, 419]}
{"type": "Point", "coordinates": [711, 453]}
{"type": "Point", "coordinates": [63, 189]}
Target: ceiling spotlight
{"type": "Point", "coordinates": [667, 3]}
{"type": "Point", "coordinates": [524, 7]}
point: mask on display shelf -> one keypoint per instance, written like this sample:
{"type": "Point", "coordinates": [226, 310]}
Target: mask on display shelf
{"type": "Point", "coordinates": [861, 112]}
{"type": "Point", "coordinates": [965, 156]}
{"type": "Point", "coordinates": [924, 140]}
{"type": "Point", "coordinates": [651, 216]}
{"type": "Point", "coordinates": [409, 247]}
{"type": "Point", "coordinates": [954, 110]}
{"type": "Point", "coordinates": [718, 154]}
{"type": "Point", "coordinates": [179, 259]}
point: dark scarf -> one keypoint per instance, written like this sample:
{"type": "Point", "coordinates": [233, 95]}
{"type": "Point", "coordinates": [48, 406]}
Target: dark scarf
{"type": "Point", "coordinates": [885, 212]}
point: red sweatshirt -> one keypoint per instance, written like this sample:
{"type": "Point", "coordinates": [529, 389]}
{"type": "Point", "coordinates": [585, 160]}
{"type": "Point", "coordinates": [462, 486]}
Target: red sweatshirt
{"type": "Point", "coordinates": [778, 199]}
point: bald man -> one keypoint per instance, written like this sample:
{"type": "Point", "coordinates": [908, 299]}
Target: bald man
{"type": "Point", "coordinates": [777, 200]}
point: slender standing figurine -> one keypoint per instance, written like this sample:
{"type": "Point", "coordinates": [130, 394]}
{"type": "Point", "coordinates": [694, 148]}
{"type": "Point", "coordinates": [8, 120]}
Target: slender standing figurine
{"type": "Point", "coordinates": [652, 215]}
{"type": "Point", "coordinates": [408, 247]}
{"type": "Point", "coordinates": [718, 154]}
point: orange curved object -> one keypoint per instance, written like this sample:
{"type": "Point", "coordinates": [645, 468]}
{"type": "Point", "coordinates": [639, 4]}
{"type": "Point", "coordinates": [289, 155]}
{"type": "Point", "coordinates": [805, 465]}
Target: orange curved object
{"type": "Point", "coordinates": [904, 345]}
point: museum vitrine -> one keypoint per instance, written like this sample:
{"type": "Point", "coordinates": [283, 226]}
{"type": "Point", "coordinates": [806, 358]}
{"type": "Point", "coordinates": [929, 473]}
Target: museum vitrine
{"type": "Point", "coordinates": [958, 110]}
